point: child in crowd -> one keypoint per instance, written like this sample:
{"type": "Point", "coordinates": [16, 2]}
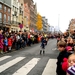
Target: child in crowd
{"type": "Point", "coordinates": [63, 54]}
{"type": "Point", "coordinates": [71, 65]}
{"type": "Point", "coordinates": [5, 44]}
{"type": "Point", "coordinates": [43, 44]}
{"type": "Point", "coordinates": [9, 43]}
{"type": "Point", "coordinates": [65, 63]}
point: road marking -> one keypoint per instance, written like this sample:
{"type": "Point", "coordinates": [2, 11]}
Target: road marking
{"type": "Point", "coordinates": [26, 68]}
{"type": "Point", "coordinates": [10, 63]}
{"type": "Point", "coordinates": [54, 49]}
{"type": "Point", "coordinates": [50, 68]}
{"type": "Point", "coordinates": [4, 57]}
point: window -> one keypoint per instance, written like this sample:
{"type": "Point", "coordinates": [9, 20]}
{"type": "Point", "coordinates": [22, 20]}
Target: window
{"type": "Point", "coordinates": [14, 2]}
{"type": "Point", "coordinates": [8, 18]}
{"type": "Point", "coordinates": [8, 10]}
{"type": "Point", "coordinates": [0, 6]}
{"type": "Point", "coordinates": [21, 4]}
{"type": "Point", "coordinates": [4, 17]}
{"type": "Point", "coordinates": [15, 13]}
{"type": "Point", "coordinates": [4, 8]}
{"type": "Point", "coordinates": [12, 7]}
{"type": "Point", "coordinates": [22, 22]}
{"type": "Point", "coordinates": [12, 17]}
{"type": "Point", "coordinates": [0, 16]}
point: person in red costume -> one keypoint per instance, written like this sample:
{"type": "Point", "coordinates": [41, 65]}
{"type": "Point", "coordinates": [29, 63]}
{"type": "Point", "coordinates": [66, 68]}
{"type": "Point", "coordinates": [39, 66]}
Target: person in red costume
{"type": "Point", "coordinates": [9, 43]}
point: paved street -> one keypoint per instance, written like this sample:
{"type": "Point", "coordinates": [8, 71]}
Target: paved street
{"type": "Point", "coordinates": [28, 61]}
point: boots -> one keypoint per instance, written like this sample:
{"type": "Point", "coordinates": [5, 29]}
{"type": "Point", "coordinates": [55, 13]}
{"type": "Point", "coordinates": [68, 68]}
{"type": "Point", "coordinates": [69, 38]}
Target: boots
{"type": "Point", "coordinates": [40, 52]}
{"type": "Point", "coordinates": [43, 52]}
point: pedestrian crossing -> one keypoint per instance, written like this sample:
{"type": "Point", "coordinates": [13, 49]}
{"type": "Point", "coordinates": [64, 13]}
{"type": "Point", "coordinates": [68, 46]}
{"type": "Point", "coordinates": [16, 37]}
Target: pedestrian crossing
{"type": "Point", "coordinates": [49, 68]}
{"type": "Point", "coordinates": [5, 57]}
{"type": "Point", "coordinates": [10, 63]}
{"type": "Point", "coordinates": [54, 49]}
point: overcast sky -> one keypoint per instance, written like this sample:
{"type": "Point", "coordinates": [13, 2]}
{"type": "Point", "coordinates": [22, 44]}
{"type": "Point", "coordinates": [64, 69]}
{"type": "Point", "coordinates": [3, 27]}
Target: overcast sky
{"type": "Point", "coordinates": [58, 12]}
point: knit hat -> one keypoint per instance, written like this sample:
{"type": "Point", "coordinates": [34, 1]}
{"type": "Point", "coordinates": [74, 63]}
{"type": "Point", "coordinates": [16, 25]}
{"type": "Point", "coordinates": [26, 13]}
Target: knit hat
{"type": "Point", "coordinates": [71, 70]}
{"type": "Point", "coordinates": [68, 48]}
{"type": "Point", "coordinates": [64, 64]}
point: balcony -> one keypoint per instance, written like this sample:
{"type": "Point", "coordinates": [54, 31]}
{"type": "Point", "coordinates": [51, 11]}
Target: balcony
{"type": "Point", "coordinates": [0, 20]}
{"type": "Point", "coordinates": [9, 22]}
{"type": "Point", "coordinates": [14, 22]}
{"type": "Point", "coordinates": [4, 21]}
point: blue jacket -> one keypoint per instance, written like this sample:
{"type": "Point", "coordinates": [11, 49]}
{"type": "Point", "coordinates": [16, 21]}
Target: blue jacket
{"type": "Point", "coordinates": [5, 42]}
{"type": "Point", "coordinates": [43, 42]}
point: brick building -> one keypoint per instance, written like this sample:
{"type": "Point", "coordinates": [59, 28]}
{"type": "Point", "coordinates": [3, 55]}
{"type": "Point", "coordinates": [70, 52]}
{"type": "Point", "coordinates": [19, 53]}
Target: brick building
{"type": "Point", "coordinates": [33, 14]}
{"type": "Point", "coordinates": [5, 16]}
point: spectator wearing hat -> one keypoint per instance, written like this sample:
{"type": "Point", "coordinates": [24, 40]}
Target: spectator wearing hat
{"type": "Point", "coordinates": [69, 49]}
{"type": "Point", "coordinates": [65, 64]}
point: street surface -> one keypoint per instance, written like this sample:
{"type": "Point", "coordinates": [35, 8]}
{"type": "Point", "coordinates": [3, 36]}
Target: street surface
{"type": "Point", "coordinates": [28, 61]}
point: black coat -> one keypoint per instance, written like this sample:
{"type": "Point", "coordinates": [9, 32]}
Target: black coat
{"type": "Point", "coordinates": [61, 56]}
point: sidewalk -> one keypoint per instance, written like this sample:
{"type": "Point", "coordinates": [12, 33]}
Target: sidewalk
{"type": "Point", "coordinates": [20, 48]}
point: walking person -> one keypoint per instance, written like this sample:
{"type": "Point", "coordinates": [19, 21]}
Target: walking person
{"type": "Point", "coordinates": [43, 44]}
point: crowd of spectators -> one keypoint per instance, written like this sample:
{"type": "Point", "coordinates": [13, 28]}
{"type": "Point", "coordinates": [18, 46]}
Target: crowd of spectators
{"type": "Point", "coordinates": [66, 57]}
{"type": "Point", "coordinates": [17, 40]}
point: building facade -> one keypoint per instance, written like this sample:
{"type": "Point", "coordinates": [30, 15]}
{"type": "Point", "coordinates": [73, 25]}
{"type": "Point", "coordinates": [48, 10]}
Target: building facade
{"type": "Point", "coordinates": [33, 15]}
{"type": "Point", "coordinates": [44, 21]}
{"type": "Point", "coordinates": [21, 15]}
{"type": "Point", "coordinates": [48, 27]}
{"type": "Point", "coordinates": [14, 4]}
{"type": "Point", "coordinates": [14, 15]}
{"type": "Point", "coordinates": [72, 26]}
{"type": "Point", "coordinates": [26, 16]}
{"type": "Point", "coordinates": [5, 16]}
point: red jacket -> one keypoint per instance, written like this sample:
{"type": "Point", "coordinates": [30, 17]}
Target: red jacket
{"type": "Point", "coordinates": [9, 42]}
